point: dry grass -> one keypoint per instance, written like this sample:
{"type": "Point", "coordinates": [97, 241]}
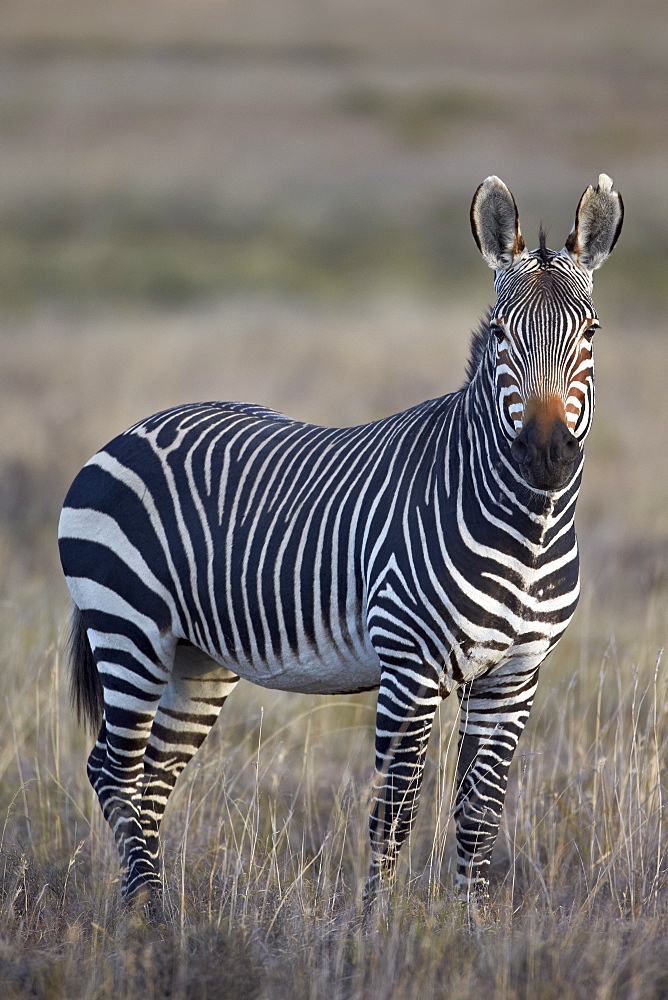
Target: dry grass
{"type": "Point", "coordinates": [265, 851]}
{"type": "Point", "coordinates": [257, 151]}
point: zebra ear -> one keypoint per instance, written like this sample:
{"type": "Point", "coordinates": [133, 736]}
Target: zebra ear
{"type": "Point", "coordinates": [495, 223]}
{"type": "Point", "coordinates": [598, 223]}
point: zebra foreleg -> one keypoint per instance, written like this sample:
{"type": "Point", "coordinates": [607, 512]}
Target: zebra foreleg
{"type": "Point", "coordinates": [187, 711]}
{"type": "Point", "coordinates": [404, 720]}
{"type": "Point", "coordinates": [494, 711]}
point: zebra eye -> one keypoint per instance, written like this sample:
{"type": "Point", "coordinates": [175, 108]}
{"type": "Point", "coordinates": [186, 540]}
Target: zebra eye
{"type": "Point", "coordinates": [590, 331]}
{"type": "Point", "coordinates": [497, 331]}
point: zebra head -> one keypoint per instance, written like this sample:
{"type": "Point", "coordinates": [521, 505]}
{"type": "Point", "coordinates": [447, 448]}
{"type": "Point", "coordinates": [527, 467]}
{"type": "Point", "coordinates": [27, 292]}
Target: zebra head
{"type": "Point", "coordinates": [542, 326]}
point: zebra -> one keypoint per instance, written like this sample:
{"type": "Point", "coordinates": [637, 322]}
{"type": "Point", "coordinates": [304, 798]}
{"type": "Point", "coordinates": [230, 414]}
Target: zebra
{"type": "Point", "coordinates": [429, 551]}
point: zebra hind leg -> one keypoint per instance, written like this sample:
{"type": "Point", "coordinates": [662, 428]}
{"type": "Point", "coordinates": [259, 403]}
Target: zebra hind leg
{"type": "Point", "coordinates": [187, 711]}
{"type": "Point", "coordinates": [100, 775]}
{"type": "Point", "coordinates": [98, 755]}
{"type": "Point", "coordinates": [134, 673]}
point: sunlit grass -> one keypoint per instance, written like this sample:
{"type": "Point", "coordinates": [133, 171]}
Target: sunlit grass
{"type": "Point", "coordinates": [265, 846]}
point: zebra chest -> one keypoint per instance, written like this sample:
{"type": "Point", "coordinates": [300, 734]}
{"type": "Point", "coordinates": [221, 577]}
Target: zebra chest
{"type": "Point", "coordinates": [473, 614]}
{"type": "Point", "coordinates": [506, 619]}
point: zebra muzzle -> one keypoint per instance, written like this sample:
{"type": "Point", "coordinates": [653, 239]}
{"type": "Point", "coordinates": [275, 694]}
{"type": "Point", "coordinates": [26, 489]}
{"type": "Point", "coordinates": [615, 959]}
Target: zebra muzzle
{"type": "Point", "coordinates": [546, 459]}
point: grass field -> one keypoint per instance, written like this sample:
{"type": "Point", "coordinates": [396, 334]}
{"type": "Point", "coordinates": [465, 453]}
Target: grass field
{"type": "Point", "coordinates": [271, 204]}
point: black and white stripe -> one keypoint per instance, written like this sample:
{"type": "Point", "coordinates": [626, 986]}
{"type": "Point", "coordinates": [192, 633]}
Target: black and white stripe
{"type": "Point", "coordinates": [222, 540]}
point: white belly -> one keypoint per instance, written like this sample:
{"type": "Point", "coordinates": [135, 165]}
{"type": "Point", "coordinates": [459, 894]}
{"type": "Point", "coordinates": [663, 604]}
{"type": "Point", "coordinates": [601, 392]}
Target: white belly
{"type": "Point", "coordinates": [325, 671]}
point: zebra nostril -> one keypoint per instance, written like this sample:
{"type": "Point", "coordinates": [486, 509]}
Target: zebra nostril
{"type": "Point", "coordinates": [565, 445]}
{"type": "Point", "coordinates": [520, 450]}
{"type": "Point", "coordinates": [570, 448]}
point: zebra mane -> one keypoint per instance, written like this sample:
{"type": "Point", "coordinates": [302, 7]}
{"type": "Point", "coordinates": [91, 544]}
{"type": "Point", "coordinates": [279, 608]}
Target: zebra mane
{"type": "Point", "coordinates": [543, 252]}
{"type": "Point", "coordinates": [478, 345]}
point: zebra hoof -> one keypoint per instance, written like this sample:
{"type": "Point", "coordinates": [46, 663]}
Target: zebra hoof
{"type": "Point", "coordinates": [476, 908]}
{"type": "Point", "coordinates": [146, 901]}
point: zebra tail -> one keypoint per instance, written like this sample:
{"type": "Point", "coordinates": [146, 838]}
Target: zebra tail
{"type": "Point", "coordinates": [86, 689]}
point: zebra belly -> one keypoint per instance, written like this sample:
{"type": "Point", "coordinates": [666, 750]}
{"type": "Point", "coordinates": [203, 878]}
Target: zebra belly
{"type": "Point", "coordinates": [322, 671]}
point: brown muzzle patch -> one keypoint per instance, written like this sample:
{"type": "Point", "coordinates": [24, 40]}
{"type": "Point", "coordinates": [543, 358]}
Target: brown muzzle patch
{"type": "Point", "coordinates": [546, 411]}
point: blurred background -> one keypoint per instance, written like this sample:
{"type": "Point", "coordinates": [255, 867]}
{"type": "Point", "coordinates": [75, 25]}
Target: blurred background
{"type": "Point", "coordinates": [268, 200]}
